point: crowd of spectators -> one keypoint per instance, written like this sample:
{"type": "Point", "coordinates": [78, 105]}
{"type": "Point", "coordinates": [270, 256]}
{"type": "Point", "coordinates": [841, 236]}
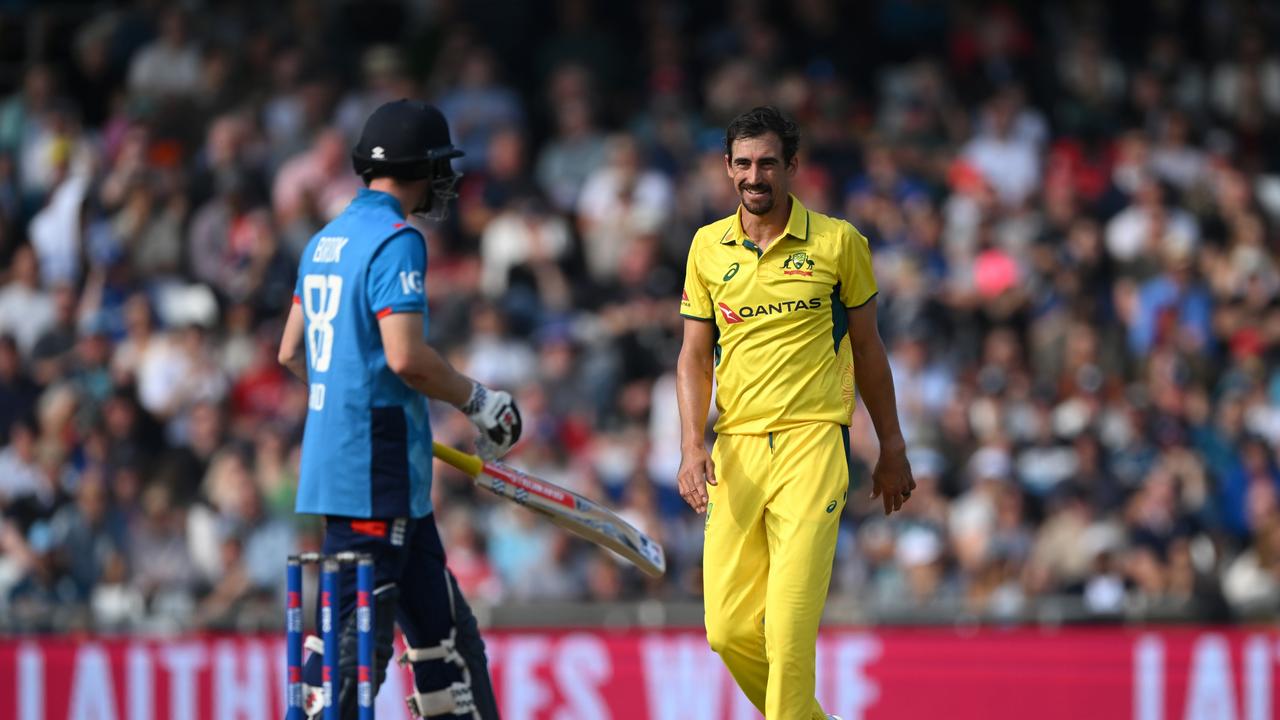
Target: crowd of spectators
{"type": "Point", "coordinates": [1073, 208]}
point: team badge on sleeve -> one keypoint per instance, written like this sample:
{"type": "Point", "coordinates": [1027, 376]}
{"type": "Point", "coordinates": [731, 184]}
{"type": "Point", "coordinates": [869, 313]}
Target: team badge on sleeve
{"type": "Point", "coordinates": [410, 282]}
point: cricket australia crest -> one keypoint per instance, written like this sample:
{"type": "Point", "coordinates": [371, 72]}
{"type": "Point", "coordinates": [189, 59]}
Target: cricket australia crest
{"type": "Point", "coordinates": [798, 263]}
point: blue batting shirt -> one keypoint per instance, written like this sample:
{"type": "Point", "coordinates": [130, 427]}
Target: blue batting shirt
{"type": "Point", "coordinates": [366, 448]}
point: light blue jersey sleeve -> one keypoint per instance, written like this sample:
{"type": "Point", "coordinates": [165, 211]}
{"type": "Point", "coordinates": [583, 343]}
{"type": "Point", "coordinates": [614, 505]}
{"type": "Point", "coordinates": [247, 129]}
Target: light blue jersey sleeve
{"type": "Point", "coordinates": [395, 279]}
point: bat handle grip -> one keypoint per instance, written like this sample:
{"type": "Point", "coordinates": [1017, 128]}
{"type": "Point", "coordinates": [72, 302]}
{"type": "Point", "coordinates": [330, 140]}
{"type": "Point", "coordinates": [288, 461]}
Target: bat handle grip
{"type": "Point", "coordinates": [466, 462]}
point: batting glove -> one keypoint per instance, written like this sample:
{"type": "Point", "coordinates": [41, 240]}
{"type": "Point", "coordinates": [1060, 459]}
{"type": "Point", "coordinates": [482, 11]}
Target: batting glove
{"type": "Point", "coordinates": [496, 414]}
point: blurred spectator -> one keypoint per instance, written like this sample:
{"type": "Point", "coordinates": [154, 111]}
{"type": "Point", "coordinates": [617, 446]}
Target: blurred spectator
{"type": "Point", "coordinates": [1149, 226]}
{"type": "Point", "coordinates": [284, 113]}
{"type": "Point", "coordinates": [17, 392]}
{"type": "Point", "coordinates": [150, 223]}
{"type": "Point", "coordinates": [159, 551]}
{"type": "Point", "coordinates": [315, 184]}
{"type": "Point", "coordinates": [89, 372]}
{"type": "Point", "coordinates": [89, 535]}
{"type": "Point", "coordinates": [51, 354]}
{"type": "Point", "coordinates": [524, 233]}
{"type": "Point", "coordinates": [235, 512]}
{"type": "Point", "coordinates": [1174, 159]}
{"type": "Point", "coordinates": [384, 78]}
{"type": "Point", "coordinates": [1249, 79]}
{"type": "Point", "coordinates": [178, 374]}
{"type": "Point", "coordinates": [139, 334]}
{"type": "Point", "coordinates": [23, 117]}
{"type": "Point", "coordinates": [19, 473]}
{"type": "Point", "coordinates": [1172, 307]}
{"type": "Point", "coordinates": [26, 310]}
{"type": "Point", "coordinates": [621, 201]}
{"type": "Point", "coordinates": [94, 77]}
{"type": "Point", "coordinates": [525, 552]}
{"type": "Point", "coordinates": [1252, 581]}
{"type": "Point", "coordinates": [494, 357]}
{"type": "Point", "coordinates": [883, 188]}
{"type": "Point", "coordinates": [1093, 81]}
{"type": "Point", "coordinates": [1006, 155]}
{"type": "Point", "coordinates": [56, 229]}
{"type": "Point", "coordinates": [503, 179]}
{"type": "Point", "coordinates": [478, 107]}
{"type": "Point", "coordinates": [468, 560]}
{"type": "Point", "coordinates": [973, 515]}
{"type": "Point", "coordinates": [170, 65]}
{"type": "Point", "coordinates": [577, 148]}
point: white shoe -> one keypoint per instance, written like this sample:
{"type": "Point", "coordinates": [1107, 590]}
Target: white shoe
{"type": "Point", "coordinates": [833, 717]}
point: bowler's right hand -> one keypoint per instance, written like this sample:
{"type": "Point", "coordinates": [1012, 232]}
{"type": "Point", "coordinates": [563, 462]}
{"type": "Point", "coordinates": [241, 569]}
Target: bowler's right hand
{"type": "Point", "coordinates": [697, 471]}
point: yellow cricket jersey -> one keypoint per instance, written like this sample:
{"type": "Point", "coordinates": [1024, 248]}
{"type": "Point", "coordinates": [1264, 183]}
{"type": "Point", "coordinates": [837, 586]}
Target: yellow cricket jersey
{"type": "Point", "coordinates": [782, 349]}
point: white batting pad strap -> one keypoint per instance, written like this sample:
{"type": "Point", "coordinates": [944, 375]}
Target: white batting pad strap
{"type": "Point", "coordinates": [314, 643]}
{"type": "Point", "coordinates": [454, 700]}
{"type": "Point", "coordinates": [447, 650]}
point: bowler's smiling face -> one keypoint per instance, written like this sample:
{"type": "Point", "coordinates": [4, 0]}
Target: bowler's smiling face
{"type": "Point", "coordinates": [759, 172]}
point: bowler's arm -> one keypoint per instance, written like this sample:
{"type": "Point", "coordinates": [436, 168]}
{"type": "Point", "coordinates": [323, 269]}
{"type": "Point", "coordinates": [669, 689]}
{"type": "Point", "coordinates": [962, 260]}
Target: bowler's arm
{"type": "Point", "coordinates": [891, 478]}
{"type": "Point", "coordinates": [292, 352]}
{"type": "Point", "coordinates": [873, 376]}
{"type": "Point", "coordinates": [694, 371]}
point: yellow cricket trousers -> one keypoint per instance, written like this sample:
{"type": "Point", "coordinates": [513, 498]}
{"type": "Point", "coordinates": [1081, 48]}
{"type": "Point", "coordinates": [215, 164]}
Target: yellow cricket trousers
{"type": "Point", "coordinates": [770, 538]}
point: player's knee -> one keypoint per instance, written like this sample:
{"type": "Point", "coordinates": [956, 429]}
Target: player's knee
{"type": "Point", "coordinates": [471, 647]}
{"type": "Point", "coordinates": [717, 638]}
{"type": "Point", "coordinates": [464, 619]}
{"type": "Point", "coordinates": [726, 635]}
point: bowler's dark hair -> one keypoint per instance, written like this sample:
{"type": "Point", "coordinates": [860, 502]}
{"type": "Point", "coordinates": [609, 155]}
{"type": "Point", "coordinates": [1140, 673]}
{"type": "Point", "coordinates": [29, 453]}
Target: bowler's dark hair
{"type": "Point", "coordinates": [761, 121]}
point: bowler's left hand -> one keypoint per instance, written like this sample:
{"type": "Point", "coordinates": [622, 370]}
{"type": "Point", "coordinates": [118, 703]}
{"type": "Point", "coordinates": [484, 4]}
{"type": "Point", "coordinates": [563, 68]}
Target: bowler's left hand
{"type": "Point", "coordinates": [891, 480]}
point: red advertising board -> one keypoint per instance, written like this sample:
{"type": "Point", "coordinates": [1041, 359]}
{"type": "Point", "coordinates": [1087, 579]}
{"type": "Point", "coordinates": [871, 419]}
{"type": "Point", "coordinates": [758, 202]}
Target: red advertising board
{"type": "Point", "coordinates": [891, 674]}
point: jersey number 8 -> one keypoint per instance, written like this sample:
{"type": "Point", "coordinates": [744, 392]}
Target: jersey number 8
{"type": "Point", "coordinates": [320, 297]}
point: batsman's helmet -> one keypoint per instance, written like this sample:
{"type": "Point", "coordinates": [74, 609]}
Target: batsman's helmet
{"type": "Point", "coordinates": [407, 140]}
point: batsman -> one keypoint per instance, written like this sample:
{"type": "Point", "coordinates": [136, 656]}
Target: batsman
{"type": "Point", "coordinates": [780, 309]}
{"type": "Point", "coordinates": [356, 334]}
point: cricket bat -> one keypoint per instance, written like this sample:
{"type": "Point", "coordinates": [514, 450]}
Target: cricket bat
{"type": "Point", "coordinates": [580, 516]}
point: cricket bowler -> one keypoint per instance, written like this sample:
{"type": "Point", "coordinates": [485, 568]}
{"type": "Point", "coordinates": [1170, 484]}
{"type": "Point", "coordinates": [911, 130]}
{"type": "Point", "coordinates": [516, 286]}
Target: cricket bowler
{"type": "Point", "coordinates": [355, 334]}
{"type": "Point", "coordinates": [779, 305]}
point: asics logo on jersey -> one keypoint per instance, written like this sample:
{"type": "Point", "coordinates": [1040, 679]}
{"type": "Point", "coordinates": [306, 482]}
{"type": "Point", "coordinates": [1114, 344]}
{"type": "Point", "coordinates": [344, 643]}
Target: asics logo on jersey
{"type": "Point", "coordinates": [733, 270]}
{"type": "Point", "coordinates": [329, 249]}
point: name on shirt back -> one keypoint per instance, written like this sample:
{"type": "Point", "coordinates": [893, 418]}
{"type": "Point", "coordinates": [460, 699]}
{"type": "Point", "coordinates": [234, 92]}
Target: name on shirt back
{"type": "Point", "coordinates": [329, 249]}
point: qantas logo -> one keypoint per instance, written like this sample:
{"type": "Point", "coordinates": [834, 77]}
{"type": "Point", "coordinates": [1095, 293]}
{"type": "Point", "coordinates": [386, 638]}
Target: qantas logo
{"type": "Point", "coordinates": [730, 316]}
{"type": "Point", "coordinates": [748, 311]}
